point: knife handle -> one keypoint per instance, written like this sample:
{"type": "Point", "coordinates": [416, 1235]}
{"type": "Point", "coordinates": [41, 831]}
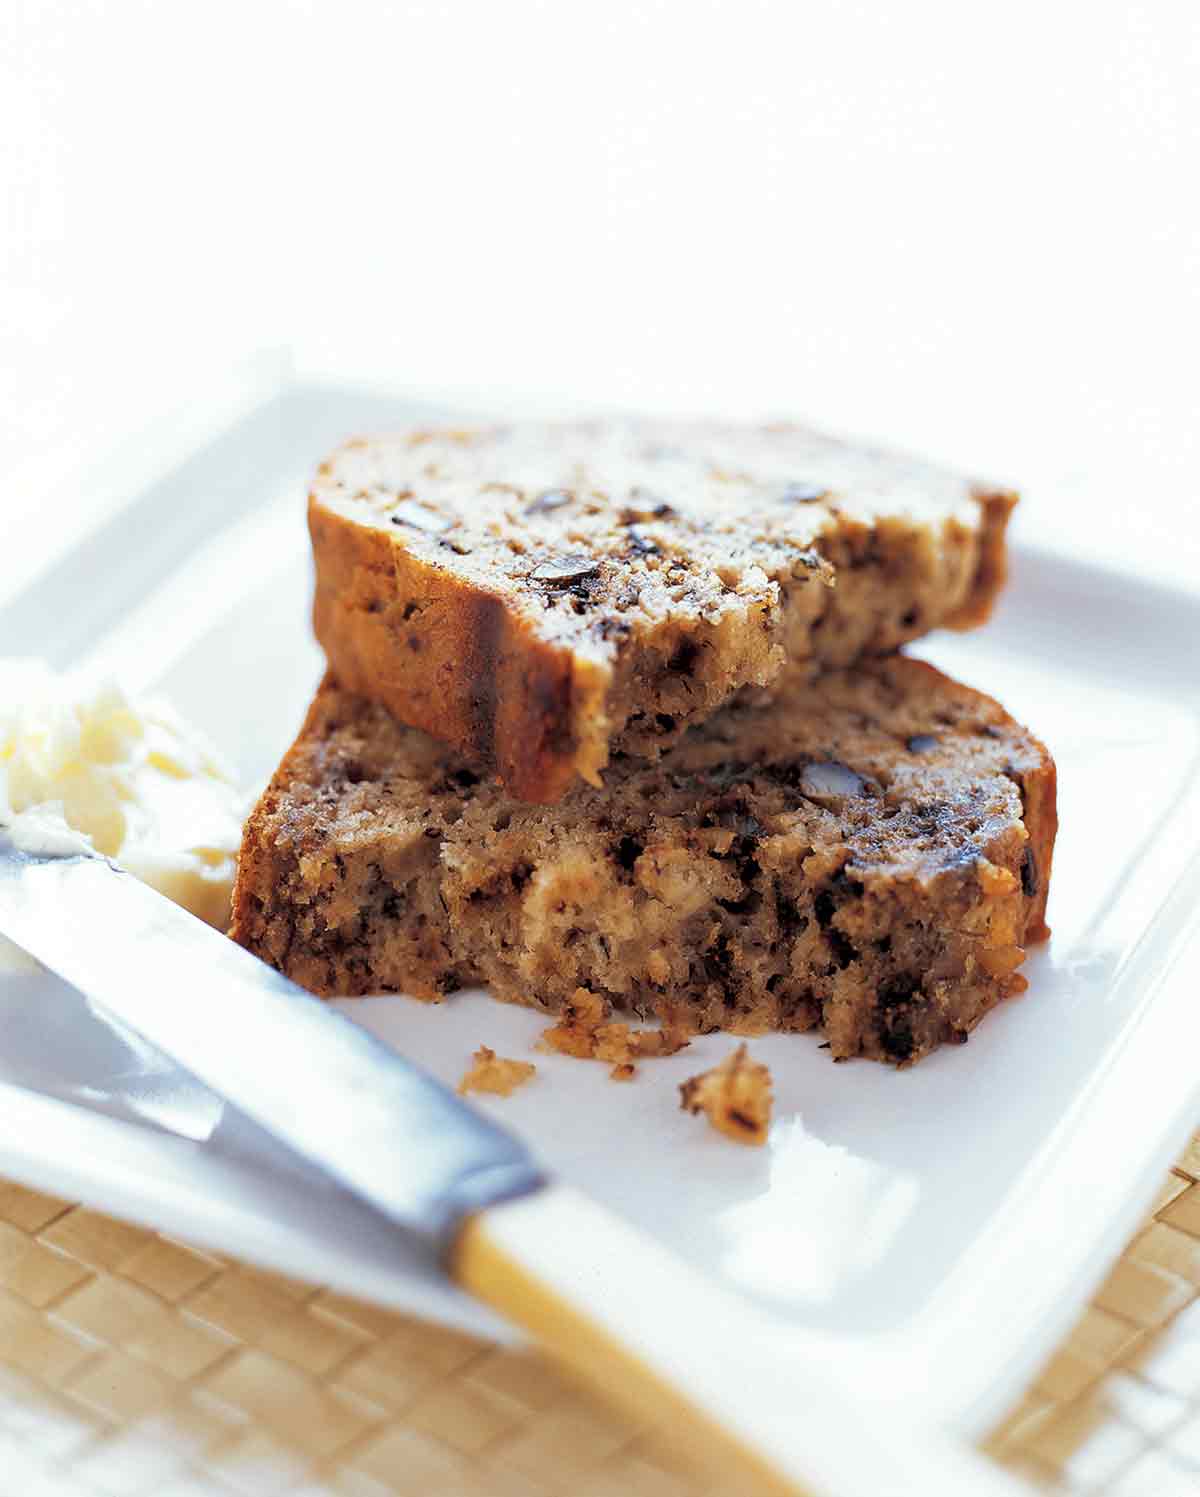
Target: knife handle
{"type": "Point", "coordinates": [667, 1345]}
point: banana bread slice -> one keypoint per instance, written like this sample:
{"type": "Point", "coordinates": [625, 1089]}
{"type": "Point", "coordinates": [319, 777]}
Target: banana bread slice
{"type": "Point", "coordinates": [869, 853]}
{"type": "Point", "coordinates": [543, 596]}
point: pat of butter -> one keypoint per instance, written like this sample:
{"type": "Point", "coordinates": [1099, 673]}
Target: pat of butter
{"type": "Point", "coordinates": [84, 765]}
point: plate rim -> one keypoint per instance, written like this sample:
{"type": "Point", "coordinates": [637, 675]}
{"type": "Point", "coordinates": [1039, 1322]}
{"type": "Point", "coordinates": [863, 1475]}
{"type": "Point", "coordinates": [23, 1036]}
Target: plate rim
{"type": "Point", "coordinates": [1144, 1152]}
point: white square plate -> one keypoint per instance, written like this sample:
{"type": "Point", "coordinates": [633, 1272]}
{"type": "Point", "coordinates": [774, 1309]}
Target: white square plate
{"type": "Point", "coordinates": [930, 1232]}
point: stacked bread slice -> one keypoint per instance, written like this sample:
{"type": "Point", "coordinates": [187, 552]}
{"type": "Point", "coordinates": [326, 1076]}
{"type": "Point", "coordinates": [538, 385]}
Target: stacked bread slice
{"type": "Point", "coordinates": [620, 706]}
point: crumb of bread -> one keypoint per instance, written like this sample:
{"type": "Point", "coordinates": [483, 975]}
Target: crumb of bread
{"type": "Point", "coordinates": [583, 1014]}
{"type": "Point", "coordinates": [619, 1043]}
{"type": "Point", "coordinates": [623, 1072]}
{"type": "Point", "coordinates": [736, 1095]}
{"type": "Point", "coordinates": [493, 1073]}
{"type": "Point", "coordinates": [586, 1031]}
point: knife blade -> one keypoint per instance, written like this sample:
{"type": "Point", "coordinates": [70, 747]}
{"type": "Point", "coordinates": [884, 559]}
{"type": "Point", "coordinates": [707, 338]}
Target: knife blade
{"type": "Point", "coordinates": [337, 1095]}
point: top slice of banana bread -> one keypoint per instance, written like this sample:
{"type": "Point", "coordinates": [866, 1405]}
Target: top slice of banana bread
{"type": "Point", "coordinates": [541, 596]}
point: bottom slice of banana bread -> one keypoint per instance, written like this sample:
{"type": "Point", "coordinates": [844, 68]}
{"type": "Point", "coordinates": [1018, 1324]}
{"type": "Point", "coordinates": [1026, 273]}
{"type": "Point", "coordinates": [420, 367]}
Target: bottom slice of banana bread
{"type": "Point", "coordinates": [869, 854]}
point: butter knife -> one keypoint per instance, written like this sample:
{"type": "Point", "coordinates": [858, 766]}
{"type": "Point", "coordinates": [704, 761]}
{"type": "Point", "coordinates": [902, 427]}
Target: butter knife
{"type": "Point", "coordinates": [661, 1340]}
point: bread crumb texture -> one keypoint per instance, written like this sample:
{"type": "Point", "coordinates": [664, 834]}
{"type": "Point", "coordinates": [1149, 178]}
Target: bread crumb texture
{"type": "Point", "coordinates": [735, 1096]}
{"type": "Point", "coordinates": [494, 1073]}
{"type": "Point", "coordinates": [867, 854]}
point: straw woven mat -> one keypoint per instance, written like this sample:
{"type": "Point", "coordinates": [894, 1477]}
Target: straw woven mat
{"type": "Point", "coordinates": [131, 1364]}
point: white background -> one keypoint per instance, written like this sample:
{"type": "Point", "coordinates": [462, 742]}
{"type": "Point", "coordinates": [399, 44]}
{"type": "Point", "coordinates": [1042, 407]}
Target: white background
{"type": "Point", "coordinates": [973, 229]}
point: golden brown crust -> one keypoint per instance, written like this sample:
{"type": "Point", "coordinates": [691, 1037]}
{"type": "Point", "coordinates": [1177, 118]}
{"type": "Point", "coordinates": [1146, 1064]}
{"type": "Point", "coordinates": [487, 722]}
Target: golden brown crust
{"type": "Point", "coordinates": [460, 652]}
{"type": "Point", "coordinates": [443, 655]}
{"type": "Point", "coordinates": [991, 573]}
{"type": "Point", "coordinates": [1039, 795]}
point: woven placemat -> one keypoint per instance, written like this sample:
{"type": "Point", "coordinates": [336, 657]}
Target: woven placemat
{"type": "Point", "coordinates": [135, 1366]}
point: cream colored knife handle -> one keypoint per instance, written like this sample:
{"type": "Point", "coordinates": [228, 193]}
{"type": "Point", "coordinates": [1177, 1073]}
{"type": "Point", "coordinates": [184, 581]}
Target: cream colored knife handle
{"type": "Point", "coordinates": [663, 1342]}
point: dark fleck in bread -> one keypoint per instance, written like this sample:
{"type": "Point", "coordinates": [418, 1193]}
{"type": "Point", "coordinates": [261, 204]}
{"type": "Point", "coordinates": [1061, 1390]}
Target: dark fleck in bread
{"type": "Point", "coordinates": [870, 854]}
{"type": "Point", "coordinates": [544, 596]}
